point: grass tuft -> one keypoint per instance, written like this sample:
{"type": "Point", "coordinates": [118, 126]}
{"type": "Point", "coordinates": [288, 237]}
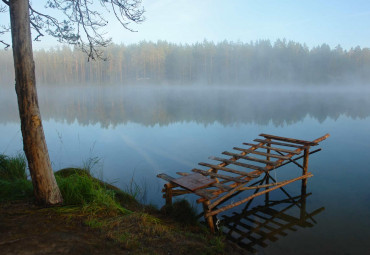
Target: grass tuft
{"type": "Point", "coordinates": [13, 168]}
{"type": "Point", "coordinates": [80, 189]}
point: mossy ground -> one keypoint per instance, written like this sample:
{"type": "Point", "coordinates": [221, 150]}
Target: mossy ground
{"type": "Point", "coordinates": [98, 218]}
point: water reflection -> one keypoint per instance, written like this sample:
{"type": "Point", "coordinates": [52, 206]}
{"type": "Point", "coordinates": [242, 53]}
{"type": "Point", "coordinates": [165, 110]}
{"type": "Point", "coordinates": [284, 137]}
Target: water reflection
{"type": "Point", "coordinates": [150, 106]}
{"type": "Point", "coordinates": [263, 224]}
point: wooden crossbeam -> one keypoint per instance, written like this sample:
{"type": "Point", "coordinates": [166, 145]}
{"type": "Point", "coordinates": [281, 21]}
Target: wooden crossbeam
{"type": "Point", "coordinates": [290, 140]}
{"type": "Point", "coordinates": [250, 158]}
{"type": "Point", "coordinates": [279, 143]}
{"type": "Point", "coordinates": [238, 163]}
{"type": "Point", "coordinates": [272, 148]}
{"type": "Point", "coordinates": [226, 169]}
{"type": "Point", "coordinates": [225, 177]}
{"type": "Point", "coordinates": [261, 153]}
{"type": "Point", "coordinates": [256, 195]}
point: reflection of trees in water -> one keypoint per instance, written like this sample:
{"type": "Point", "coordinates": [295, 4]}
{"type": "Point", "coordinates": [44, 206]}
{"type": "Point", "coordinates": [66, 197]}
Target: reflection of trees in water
{"type": "Point", "coordinates": [148, 106]}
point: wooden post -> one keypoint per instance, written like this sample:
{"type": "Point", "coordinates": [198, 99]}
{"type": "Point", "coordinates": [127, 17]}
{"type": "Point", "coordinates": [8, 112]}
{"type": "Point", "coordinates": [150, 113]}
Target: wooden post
{"type": "Point", "coordinates": [208, 219]}
{"type": "Point", "coordinates": [168, 190]}
{"type": "Point", "coordinates": [305, 165]}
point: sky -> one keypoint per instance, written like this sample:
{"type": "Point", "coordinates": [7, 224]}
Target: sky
{"type": "Point", "coordinates": [312, 22]}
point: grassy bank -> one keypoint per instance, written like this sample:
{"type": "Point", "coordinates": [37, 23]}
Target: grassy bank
{"type": "Point", "coordinates": [116, 215]}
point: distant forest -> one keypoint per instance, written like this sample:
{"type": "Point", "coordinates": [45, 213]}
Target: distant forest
{"type": "Point", "coordinates": [224, 63]}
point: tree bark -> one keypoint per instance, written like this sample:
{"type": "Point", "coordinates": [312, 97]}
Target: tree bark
{"type": "Point", "coordinates": [45, 187]}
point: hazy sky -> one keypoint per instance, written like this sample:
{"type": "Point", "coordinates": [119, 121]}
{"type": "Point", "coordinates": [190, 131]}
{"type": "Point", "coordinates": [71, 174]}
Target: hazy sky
{"type": "Point", "coordinates": [344, 22]}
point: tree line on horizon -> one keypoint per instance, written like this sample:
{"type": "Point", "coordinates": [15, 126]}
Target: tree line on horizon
{"type": "Point", "coordinates": [209, 63]}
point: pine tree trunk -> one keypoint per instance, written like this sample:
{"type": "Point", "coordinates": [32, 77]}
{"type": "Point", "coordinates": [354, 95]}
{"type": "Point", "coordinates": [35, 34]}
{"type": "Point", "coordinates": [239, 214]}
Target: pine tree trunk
{"type": "Point", "coordinates": [45, 187]}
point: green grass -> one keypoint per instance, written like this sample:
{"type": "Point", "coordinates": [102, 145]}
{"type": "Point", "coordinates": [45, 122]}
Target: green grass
{"type": "Point", "coordinates": [13, 178]}
{"type": "Point", "coordinates": [80, 189]}
{"type": "Point", "coordinates": [13, 168]}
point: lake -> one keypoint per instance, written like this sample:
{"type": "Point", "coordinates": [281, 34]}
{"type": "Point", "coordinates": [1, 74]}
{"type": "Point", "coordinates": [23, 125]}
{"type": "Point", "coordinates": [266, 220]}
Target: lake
{"type": "Point", "coordinates": [130, 134]}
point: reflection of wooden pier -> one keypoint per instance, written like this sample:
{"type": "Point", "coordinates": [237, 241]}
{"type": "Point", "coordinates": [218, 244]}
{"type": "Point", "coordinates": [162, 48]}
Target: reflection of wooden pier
{"type": "Point", "coordinates": [269, 222]}
{"type": "Point", "coordinates": [214, 188]}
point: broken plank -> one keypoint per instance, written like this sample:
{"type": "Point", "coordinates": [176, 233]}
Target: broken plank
{"type": "Point", "coordinates": [225, 177]}
{"type": "Point", "coordinates": [272, 148]}
{"type": "Point", "coordinates": [290, 140]}
{"type": "Point", "coordinates": [226, 169]}
{"type": "Point", "coordinates": [262, 153]}
{"type": "Point", "coordinates": [250, 158]}
{"type": "Point", "coordinates": [165, 177]}
{"type": "Point", "coordinates": [259, 168]}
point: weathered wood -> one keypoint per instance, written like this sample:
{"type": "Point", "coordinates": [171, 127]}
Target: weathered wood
{"type": "Point", "coordinates": [268, 162]}
{"type": "Point", "coordinates": [226, 177]}
{"type": "Point", "coordinates": [290, 140]}
{"type": "Point", "coordinates": [261, 153]}
{"type": "Point", "coordinates": [45, 187]}
{"type": "Point", "coordinates": [208, 218]}
{"type": "Point", "coordinates": [165, 177]}
{"type": "Point", "coordinates": [194, 181]}
{"type": "Point", "coordinates": [202, 193]}
{"type": "Point", "coordinates": [257, 194]}
{"type": "Point", "coordinates": [264, 141]}
{"type": "Point", "coordinates": [226, 169]}
{"type": "Point", "coordinates": [168, 194]}
{"type": "Point", "coordinates": [271, 148]}
{"type": "Point", "coordinates": [238, 163]}
{"type": "Point", "coordinates": [222, 186]}
{"type": "Point", "coordinates": [217, 185]}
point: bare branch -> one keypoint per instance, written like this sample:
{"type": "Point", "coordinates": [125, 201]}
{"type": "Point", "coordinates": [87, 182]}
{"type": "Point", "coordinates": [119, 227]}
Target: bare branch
{"type": "Point", "coordinates": [6, 2]}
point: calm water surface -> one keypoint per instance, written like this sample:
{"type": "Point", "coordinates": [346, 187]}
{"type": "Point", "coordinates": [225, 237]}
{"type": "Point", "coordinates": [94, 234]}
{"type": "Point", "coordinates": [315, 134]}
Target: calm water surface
{"type": "Point", "coordinates": [140, 132]}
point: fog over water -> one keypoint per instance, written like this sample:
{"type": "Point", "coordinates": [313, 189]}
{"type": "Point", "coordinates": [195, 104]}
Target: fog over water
{"type": "Point", "coordinates": [138, 132]}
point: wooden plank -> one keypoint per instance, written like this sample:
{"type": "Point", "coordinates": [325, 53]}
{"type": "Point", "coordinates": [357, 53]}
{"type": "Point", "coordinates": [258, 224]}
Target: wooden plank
{"type": "Point", "coordinates": [272, 148]}
{"type": "Point", "coordinates": [203, 193]}
{"type": "Point", "coordinates": [262, 153]}
{"type": "Point", "coordinates": [229, 178]}
{"type": "Point", "coordinates": [194, 181]}
{"type": "Point", "coordinates": [279, 143]}
{"type": "Point", "coordinates": [250, 158]}
{"type": "Point", "coordinates": [165, 177]}
{"type": "Point", "coordinates": [217, 185]}
{"type": "Point", "coordinates": [238, 163]}
{"type": "Point", "coordinates": [226, 169]}
{"type": "Point", "coordinates": [222, 186]}
{"type": "Point", "coordinates": [290, 140]}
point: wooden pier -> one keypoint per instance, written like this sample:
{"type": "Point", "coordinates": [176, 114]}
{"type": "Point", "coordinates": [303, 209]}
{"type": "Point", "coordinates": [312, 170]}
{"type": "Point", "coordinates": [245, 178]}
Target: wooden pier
{"type": "Point", "coordinates": [219, 182]}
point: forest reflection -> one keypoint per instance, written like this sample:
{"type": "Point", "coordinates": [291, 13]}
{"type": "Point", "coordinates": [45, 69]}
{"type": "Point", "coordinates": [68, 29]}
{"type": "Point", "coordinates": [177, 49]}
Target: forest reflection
{"type": "Point", "coordinates": [110, 106]}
